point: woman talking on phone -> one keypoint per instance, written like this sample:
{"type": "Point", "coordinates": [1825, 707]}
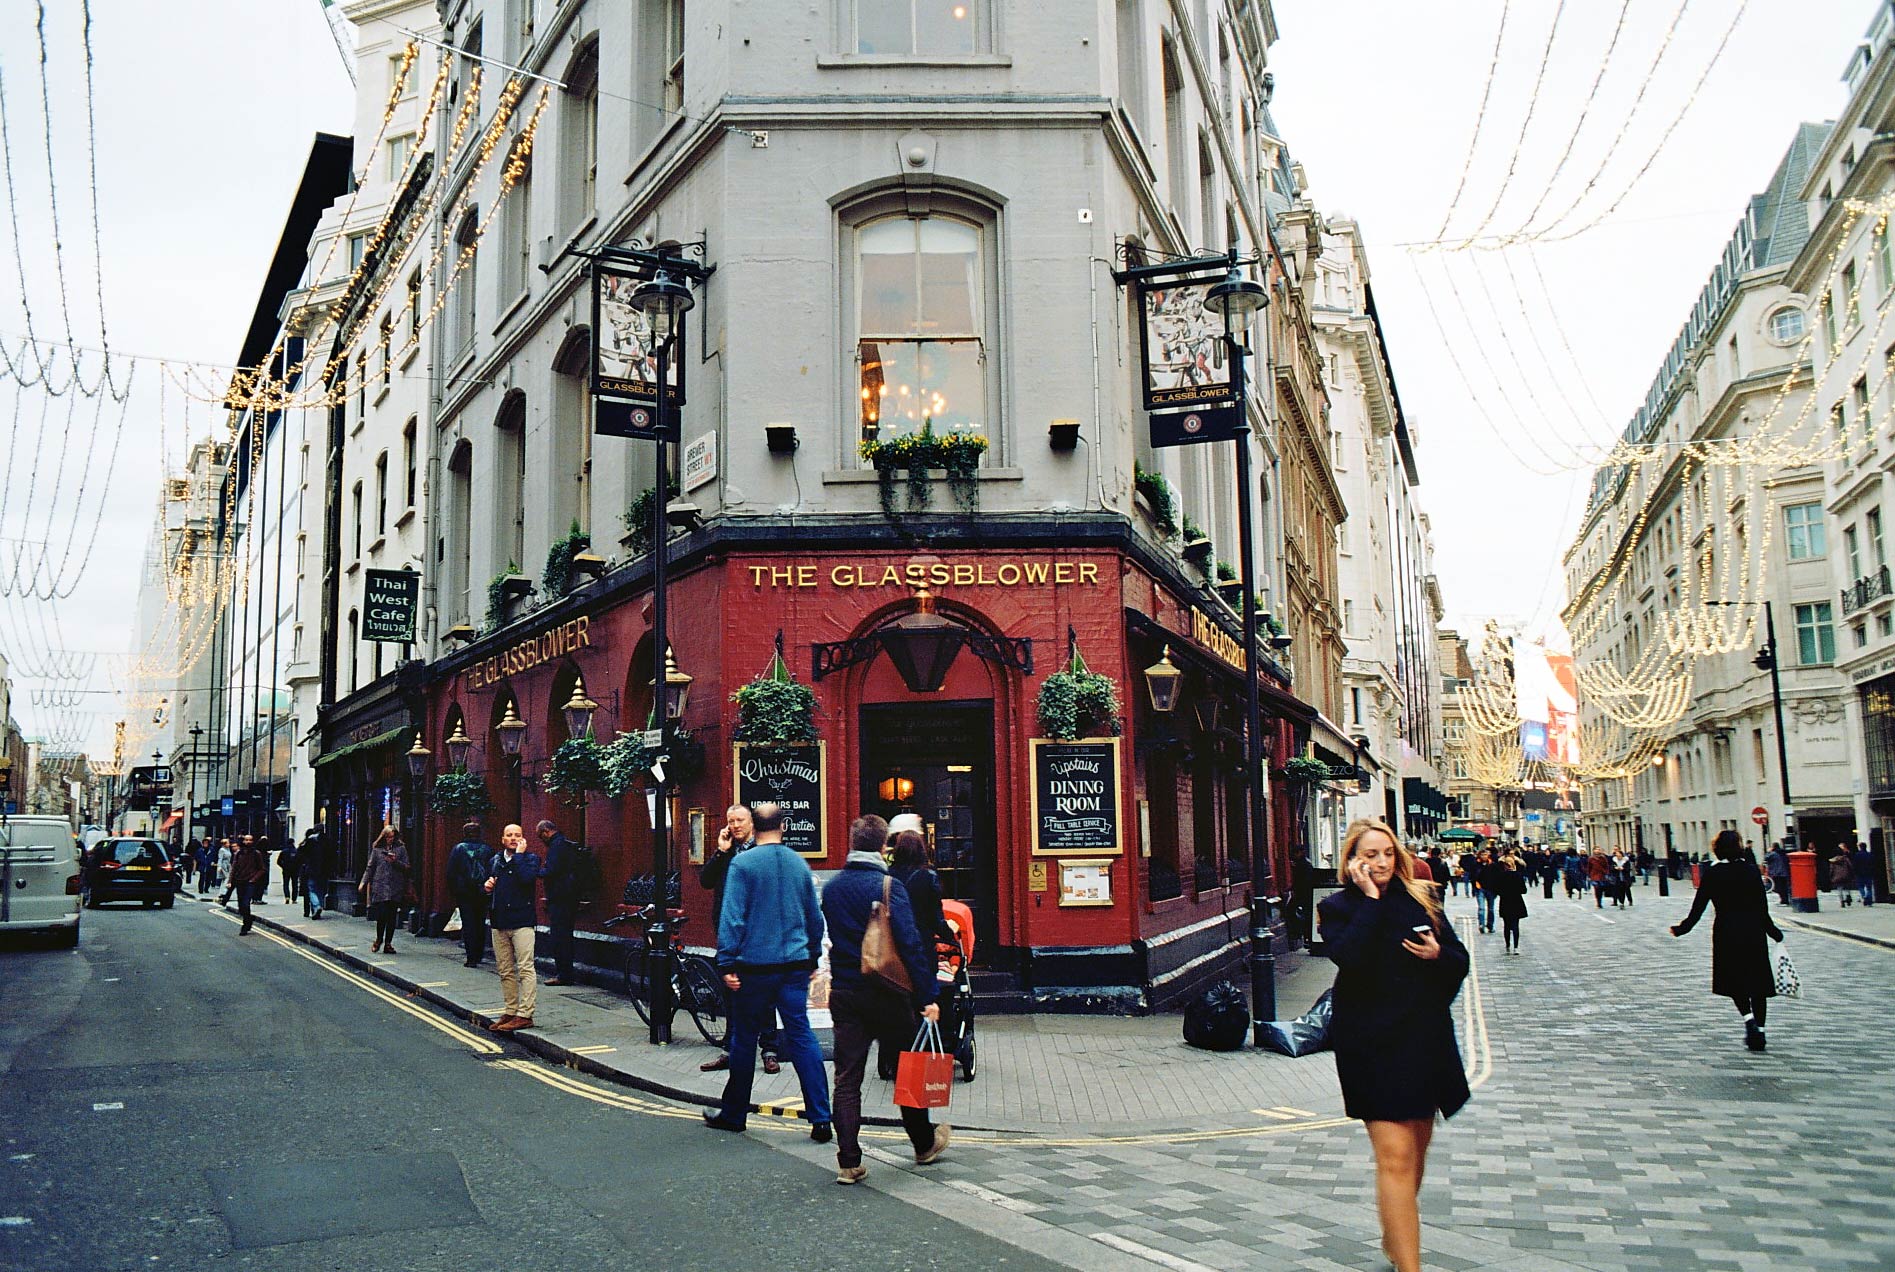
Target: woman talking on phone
{"type": "Point", "coordinates": [1398, 967]}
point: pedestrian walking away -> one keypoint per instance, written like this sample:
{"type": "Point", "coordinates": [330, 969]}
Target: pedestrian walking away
{"type": "Point", "coordinates": [249, 871]}
{"type": "Point", "coordinates": [226, 854]}
{"type": "Point", "coordinates": [466, 883]}
{"type": "Point", "coordinates": [769, 939]}
{"type": "Point", "coordinates": [562, 898]}
{"type": "Point", "coordinates": [287, 862]}
{"type": "Point", "coordinates": [737, 835]}
{"type": "Point", "coordinates": [1740, 962]}
{"type": "Point", "coordinates": [1399, 966]}
{"type": "Point", "coordinates": [867, 1012]}
{"type": "Point", "coordinates": [1865, 873]}
{"type": "Point", "coordinates": [510, 885]}
{"type": "Point", "coordinates": [316, 864]}
{"type": "Point", "coordinates": [1776, 864]}
{"type": "Point", "coordinates": [1842, 876]}
{"type": "Point", "coordinates": [1511, 886]}
{"type": "Point", "coordinates": [189, 859]}
{"type": "Point", "coordinates": [1486, 875]}
{"type": "Point", "coordinates": [385, 882]}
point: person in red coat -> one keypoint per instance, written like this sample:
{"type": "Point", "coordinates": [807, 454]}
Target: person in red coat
{"type": "Point", "coordinates": [1399, 966]}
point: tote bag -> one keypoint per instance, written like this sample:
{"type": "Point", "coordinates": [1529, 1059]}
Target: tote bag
{"type": "Point", "coordinates": [881, 959]}
{"type": "Point", "coordinates": [924, 1077]}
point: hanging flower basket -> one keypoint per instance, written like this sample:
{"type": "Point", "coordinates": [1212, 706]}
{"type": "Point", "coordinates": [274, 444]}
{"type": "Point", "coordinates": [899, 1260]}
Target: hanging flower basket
{"type": "Point", "coordinates": [578, 766]}
{"type": "Point", "coordinates": [461, 794]}
{"type": "Point", "coordinates": [916, 455]}
{"type": "Point", "coordinates": [1075, 702]}
{"type": "Point", "coordinates": [775, 710]}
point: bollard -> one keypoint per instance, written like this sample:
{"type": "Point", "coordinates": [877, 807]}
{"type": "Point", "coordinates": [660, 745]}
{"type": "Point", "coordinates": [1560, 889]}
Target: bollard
{"type": "Point", "coordinates": [1262, 970]}
{"type": "Point", "coordinates": [1664, 878]}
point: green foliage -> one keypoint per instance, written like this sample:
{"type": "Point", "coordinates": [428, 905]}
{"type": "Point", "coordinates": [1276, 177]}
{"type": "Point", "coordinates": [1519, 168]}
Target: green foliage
{"type": "Point", "coordinates": [1304, 769]}
{"type": "Point", "coordinates": [578, 766]}
{"type": "Point", "coordinates": [774, 710]}
{"type": "Point", "coordinates": [1157, 492]}
{"type": "Point", "coordinates": [1271, 621]}
{"type": "Point", "coordinates": [957, 453]}
{"type": "Point", "coordinates": [1226, 572]}
{"type": "Point", "coordinates": [1192, 530]}
{"type": "Point", "coordinates": [460, 793]}
{"type": "Point", "coordinates": [637, 518]}
{"type": "Point", "coordinates": [556, 579]}
{"type": "Point", "coordinates": [497, 597]}
{"type": "Point", "coordinates": [627, 761]}
{"type": "Point", "coordinates": [1077, 703]}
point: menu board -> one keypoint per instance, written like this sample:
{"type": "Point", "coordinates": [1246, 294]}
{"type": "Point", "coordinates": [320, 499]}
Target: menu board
{"type": "Point", "coordinates": [793, 777]}
{"type": "Point", "coordinates": [1075, 797]}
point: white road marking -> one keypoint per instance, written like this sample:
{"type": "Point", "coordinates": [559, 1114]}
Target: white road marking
{"type": "Point", "coordinates": [107, 1108]}
{"type": "Point", "coordinates": [15, 1221]}
{"type": "Point", "coordinates": [1019, 1205]}
{"type": "Point", "coordinates": [1161, 1258]}
{"type": "Point", "coordinates": [1603, 919]}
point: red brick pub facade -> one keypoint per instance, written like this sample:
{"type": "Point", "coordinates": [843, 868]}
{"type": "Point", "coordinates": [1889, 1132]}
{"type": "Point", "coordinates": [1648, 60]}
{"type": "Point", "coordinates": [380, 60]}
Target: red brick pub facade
{"type": "Point", "coordinates": [1136, 929]}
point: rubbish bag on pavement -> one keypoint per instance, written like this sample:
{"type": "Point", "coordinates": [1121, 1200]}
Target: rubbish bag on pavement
{"type": "Point", "coordinates": [1218, 1019]}
{"type": "Point", "coordinates": [1306, 1035]}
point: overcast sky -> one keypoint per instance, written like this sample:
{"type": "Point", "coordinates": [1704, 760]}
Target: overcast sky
{"type": "Point", "coordinates": [205, 115]}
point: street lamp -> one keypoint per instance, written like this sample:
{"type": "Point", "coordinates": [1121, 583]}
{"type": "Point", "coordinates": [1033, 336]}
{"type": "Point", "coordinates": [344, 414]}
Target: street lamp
{"type": "Point", "coordinates": [190, 808]}
{"type": "Point", "coordinates": [1161, 682]}
{"type": "Point", "coordinates": [578, 710]}
{"type": "Point", "coordinates": [677, 687]}
{"type": "Point", "coordinates": [1237, 299]}
{"type": "Point", "coordinates": [418, 757]}
{"type": "Point", "coordinates": [512, 731]}
{"type": "Point", "coordinates": [458, 744]}
{"type": "Point", "coordinates": [664, 301]}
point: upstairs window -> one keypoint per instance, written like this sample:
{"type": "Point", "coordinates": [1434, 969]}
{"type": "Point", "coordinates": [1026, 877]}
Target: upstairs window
{"type": "Point", "coordinates": [918, 28]}
{"type": "Point", "coordinates": [1786, 325]}
{"type": "Point", "coordinates": [920, 330]}
{"type": "Point", "coordinates": [1804, 531]}
{"type": "Point", "coordinates": [579, 141]}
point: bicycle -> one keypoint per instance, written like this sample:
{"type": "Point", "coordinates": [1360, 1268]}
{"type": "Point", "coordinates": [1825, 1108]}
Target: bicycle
{"type": "Point", "coordinates": [696, 987]}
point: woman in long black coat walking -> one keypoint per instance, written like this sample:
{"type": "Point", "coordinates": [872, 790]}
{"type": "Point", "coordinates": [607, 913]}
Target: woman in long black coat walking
{"type": "Point", "coordinates": [1740, 961]}
{"type": "Point", "coordinates": [1510, 885]}
{"type": "Point", "coordinates": [1398, 967]}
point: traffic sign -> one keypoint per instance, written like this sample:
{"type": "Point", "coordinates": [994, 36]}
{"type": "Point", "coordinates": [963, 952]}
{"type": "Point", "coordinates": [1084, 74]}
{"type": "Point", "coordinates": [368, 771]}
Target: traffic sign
{"type": "Point", "coordinates": [1760, 815]}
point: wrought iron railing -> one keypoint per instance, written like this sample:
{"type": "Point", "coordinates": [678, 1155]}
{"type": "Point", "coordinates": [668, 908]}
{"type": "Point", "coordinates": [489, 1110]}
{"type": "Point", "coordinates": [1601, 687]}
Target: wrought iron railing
{"type": "Point", "coordinates": [1870, 587]}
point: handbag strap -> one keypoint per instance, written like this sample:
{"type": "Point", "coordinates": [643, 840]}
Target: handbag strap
{"type": "Point", "coordinates": [888, 885]}
{"type": "Point", "coordinates": [928, 1033]}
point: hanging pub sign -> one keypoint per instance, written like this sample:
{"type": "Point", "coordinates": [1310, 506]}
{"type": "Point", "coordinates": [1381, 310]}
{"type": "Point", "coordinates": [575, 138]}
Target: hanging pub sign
{"type": "Point", "coordinates": [625, 359]}
{"type": "Point", "coordinates": [1182, 345]}
{"type": "Point", "coordinates": [1075, 797]}
{"type": "Point", "coordinates": [390, 599]}
{"type": "Point", "coordinates": [1187, 428]}
{"type": "Point", "coordinates": [790, 776]}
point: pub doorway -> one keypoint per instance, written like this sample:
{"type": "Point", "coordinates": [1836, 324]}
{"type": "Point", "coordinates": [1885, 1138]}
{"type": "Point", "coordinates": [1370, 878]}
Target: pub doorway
{"type": "Point", "coordinates": [936, 760]}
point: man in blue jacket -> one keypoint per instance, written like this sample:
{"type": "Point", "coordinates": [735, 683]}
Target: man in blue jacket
{"type": "Point", "coordinates": [769, 938]}
{"type": "Point", "coordinates": [510, 886]}
{"type": "Point", "coordinates": [562, 899]}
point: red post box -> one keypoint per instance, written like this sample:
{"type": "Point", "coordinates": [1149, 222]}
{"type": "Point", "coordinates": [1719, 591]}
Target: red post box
{"type": "Point", "coordinates": [1803, 882]}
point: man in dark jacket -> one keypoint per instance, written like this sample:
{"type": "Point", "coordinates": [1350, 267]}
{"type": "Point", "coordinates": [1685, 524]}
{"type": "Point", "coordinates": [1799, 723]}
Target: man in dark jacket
{"type": "Point", "coordinates": [317, 865]}
{"type": "Point", "coordinates": [769, 939]}
{"type": "Point", "coordinates": [1864, 858]}
{"type": "Point", "coordinates": [866, 1011]}
{"type": "Point", "coordinates": [466, 883]}
{"type": "Point", "coordinates": [562, 899]}
{"type": "Point", "coordinates": [249, 873]}
{"type": "Point", "coordinates": [737, 835]}
{"type": "Point", "coordinates": [511, 891]}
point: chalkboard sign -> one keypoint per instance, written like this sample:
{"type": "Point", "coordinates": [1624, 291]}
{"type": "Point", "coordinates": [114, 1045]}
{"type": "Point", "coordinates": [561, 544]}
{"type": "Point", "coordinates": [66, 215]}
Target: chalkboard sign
{"type": "Point", "coordinates": [389, 601]}
{"type": "Point", "coordinates": [1075, 797]}
{"type": "Point", "coordinates": [793, 777]}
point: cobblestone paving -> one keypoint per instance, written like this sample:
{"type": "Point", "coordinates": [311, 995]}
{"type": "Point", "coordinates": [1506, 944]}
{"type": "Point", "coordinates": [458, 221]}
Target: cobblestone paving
{"type": "Point", "coordinates": [1624, 1126]}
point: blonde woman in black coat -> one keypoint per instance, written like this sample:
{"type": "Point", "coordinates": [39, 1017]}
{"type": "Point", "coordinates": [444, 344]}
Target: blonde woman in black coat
{"type": "Point", "coordinates": [1399, 965]}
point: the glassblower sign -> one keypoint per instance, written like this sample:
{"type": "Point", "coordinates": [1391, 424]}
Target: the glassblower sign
{"type": "Point", "coordinates": [793, 777]}
{"type": "Point", "coordinates": [389, 601]}
{"type": "Point", "coordinates": [625, 360]}
{"type": "Point", "coordinates": [1182, 345]}
{"type": "Point", "coordinates": [1075, 797]}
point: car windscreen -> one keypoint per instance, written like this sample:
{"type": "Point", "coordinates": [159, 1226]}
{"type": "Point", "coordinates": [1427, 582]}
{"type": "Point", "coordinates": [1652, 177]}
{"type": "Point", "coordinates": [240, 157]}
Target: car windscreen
{"type": "Point", "coordinates": [137, 852]}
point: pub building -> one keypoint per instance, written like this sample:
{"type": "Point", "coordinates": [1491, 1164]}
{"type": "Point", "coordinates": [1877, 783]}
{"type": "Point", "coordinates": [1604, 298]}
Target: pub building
{"type": "Point", "coordinates": [1126, 894]}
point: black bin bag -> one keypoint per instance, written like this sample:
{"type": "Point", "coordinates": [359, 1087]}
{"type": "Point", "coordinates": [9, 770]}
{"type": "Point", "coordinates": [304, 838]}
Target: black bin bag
{"type": "Point", "coordinates": [1218, 1018]}
{"type": "Point", "coordinates": [1306, 1035]}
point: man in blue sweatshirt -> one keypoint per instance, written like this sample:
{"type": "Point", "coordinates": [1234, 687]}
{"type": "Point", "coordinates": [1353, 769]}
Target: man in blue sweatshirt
{"type": "Point", "coordinates": [769, 938]}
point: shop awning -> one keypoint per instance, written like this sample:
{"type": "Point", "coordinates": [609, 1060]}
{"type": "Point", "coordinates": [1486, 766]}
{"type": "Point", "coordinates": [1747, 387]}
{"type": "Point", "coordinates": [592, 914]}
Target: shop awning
{"type": "Point", "coordinates": [356, 748]}
{"type": "Point", "coordinates": [1423, 800]}
{"type": "Point", "coordinates": [1461, 834]}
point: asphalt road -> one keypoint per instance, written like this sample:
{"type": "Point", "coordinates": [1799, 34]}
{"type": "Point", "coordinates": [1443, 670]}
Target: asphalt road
{"type": "Point", "coordinates": [174, 1096]}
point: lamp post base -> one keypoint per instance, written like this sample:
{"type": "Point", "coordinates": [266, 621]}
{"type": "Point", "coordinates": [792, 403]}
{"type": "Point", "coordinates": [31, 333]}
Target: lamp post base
{"type": "Point", "coordinates": [1262, 970]}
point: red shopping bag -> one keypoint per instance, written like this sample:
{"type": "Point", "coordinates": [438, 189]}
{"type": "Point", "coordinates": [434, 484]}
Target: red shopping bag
{"type": "Point", "coordinates": [925, 1075]}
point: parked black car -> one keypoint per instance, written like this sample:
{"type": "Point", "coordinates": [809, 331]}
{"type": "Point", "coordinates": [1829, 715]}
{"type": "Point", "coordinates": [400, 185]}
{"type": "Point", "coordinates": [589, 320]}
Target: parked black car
{"type": "Point", "coordinates": [131, 870]}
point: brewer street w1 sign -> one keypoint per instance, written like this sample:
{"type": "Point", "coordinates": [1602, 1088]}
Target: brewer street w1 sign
{"type": "Point", "coordinates": [389, 601]}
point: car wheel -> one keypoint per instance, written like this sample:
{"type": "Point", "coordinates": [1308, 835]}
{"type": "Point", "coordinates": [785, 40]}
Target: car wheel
{"type": "Point", "coordinates": [148, 903]}
{"type": "Point", "coordinates": [67, 939]}
{"type": "Point", "coordinates": [166, 903]}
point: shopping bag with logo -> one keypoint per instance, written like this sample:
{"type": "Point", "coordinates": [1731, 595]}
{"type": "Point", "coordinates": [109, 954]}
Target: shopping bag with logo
{"type": "Point", "coordinates": [925, 1075]}
{"type": "Point", "coordinates": [1789, 984]}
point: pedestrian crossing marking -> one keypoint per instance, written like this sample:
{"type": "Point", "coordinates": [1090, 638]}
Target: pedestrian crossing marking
{"type": "Point", "coordinates": [592, 1051]}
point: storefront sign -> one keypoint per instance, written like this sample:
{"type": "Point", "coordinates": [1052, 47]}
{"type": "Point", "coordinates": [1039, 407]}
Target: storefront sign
{"type": "Point", "coordinates": [1075, 797]}
{"type": "Point", "coordinates": [1212, 637]}
{"type": "Point", "coordinates": [913, 574]}
{"type": "Point", "coordinates": [793, 777]}
{"type": "Point", "coordinates": [1182, 344]}
{"type": "Point", "coordinates": [1188, 428]}
{"type": "Point", "coordinates": [389, 601]}
{"type": "Point", "coordinates": [624, 356]}
{"type": "Point", "coordinates": [569, 637]}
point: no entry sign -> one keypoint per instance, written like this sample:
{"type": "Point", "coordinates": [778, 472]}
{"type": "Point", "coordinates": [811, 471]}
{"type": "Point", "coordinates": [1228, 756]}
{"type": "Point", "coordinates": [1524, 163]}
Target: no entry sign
{"type": "Point", "coordinates": [1760, 815]}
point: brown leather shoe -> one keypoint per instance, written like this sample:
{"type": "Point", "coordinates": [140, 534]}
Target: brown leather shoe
{"type": "Point", "coordinates": [771, 1064]}
{"type": "Point", "coordinates": [502, 1023]}
{"type": "Point", "coordinates": [714, 1064]}
{"type": "Point", "coordinates": [514, 1025]}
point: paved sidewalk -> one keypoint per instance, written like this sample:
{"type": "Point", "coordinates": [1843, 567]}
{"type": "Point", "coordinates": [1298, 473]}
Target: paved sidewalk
{"type": "Point", "coordinates": [1084, 1075]}
{"type": "Point", "coordinates": [1870, 924]}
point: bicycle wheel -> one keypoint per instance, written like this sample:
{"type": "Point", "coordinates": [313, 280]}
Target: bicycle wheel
{"type": "Point", "coordinates": [704, 999]}
{"type": "Point", "coordinates": [636, 980]}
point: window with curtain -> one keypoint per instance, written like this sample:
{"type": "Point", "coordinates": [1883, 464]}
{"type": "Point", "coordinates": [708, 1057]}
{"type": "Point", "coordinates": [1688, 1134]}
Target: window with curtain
{"type": "Point", "coordinates": [924, 28]}
{"type": "Point", "coordinates": [919, 325]}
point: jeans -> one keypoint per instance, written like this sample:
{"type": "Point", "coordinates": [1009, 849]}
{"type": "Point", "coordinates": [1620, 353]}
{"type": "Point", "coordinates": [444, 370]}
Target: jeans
{"type": "Point", "coordinates": [243, 907]}
{"type": "Point", "coordinates": [474, 929]}
{"type": "Point", "coordinates": [312, 896]}
{"type": "Point", "coordinates": [385, 915]}
{"type": "Point", "coordinates": [559, 924]}
{"type": "Point", "coordinates": [788, 994]}
{"type": "Point", "coordinates": [1867, 888]}
{"type": "Point", "coordinates": [864, 1016]}
{"type": "Point", "coordinates": [1489, 906]}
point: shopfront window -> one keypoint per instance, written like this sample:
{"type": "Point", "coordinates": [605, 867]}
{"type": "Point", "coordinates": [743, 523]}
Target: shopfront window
{"type": "Point", "coordinates": [1878, 734]}
{"type": "Point", "coordinates": [921, 348]}
{"type": "Point", "coordinates": [1161, 786]}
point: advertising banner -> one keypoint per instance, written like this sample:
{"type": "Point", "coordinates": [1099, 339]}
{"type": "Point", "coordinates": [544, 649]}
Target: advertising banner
{"type": "Point", "coordinates": [1547, 697]}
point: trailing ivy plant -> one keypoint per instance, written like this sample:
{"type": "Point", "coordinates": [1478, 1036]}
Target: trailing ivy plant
{"type": "Point", "coordinates": [1226, 572]}
{"type": "Point", "coordinates": [914, 455]}
{"type": "Point", "coordinates": [637, 518]}
{"type": "Point", "coordinates": [628, 761]}
{"type": "Point", "coordinates": [556, 579]}
{"type": "Point", "coordinates": [774, 710]}
{"type": "Point", "coordinates": [960, 456]}
{"type": "Point", "coordinates": [1157, 492]}
{"type": "Point", "coordinates": [1075, 702]}
{"type": "Point", "coordinates": [460, 794]}
{"type": "Point", "coordinates": [1271, 621]}
{"type": "Point", "coordinates": [1192, 530]}
{"type": "Point", "coordinates": [578, 766]}
{"type": "Point", "coordinates": [497, 597]}
{"type": "Point", "coordinates": [1304, 769]}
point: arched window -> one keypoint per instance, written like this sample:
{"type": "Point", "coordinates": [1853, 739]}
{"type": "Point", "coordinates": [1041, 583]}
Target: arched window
{"type": "Point", "coordinates": [922, 324]}
{"type": "Point", "coordinates": [355, 650]}
{"type": "Point", "coordinates": [456, 547]}
{"type": "Point", "coordinates": [572, 433]}
{"type": "Point", "coordinates": [510, 483]}
{"type": "Point", "coordinates": [461, 298]}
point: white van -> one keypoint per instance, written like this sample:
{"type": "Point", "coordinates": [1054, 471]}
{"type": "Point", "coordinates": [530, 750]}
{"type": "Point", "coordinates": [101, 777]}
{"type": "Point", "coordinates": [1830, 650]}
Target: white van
{"type": "Point", "coordinates": [39, 878]}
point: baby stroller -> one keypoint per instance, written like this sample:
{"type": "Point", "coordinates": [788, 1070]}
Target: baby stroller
{"type": "Point", "coordinates": [954, 951]}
